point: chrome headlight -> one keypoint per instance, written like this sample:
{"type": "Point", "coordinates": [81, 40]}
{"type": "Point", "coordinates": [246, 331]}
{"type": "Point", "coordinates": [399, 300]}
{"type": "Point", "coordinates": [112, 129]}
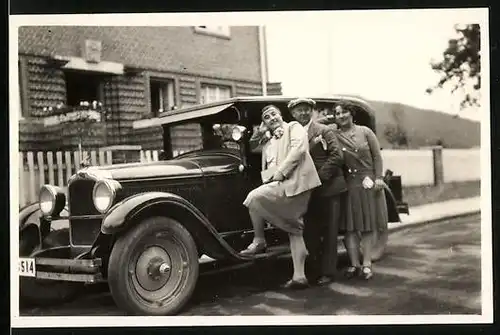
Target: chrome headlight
{"type": "Point", "coordinates": [51, 200]}
{"type": "Point", "coordinates": [104, 194]}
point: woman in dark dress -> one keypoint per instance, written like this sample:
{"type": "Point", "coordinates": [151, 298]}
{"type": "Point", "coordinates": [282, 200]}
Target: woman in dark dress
{"type": "Point", "coordinates": [366, 209]}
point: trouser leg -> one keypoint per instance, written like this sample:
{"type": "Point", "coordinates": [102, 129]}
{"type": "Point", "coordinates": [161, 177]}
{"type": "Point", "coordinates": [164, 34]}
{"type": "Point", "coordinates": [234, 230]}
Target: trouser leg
{"type": "Point", "coordinates": [330, 258]}
{"type": "Point", "coordinates": [312, 238]}
{"type": "Point", "coordinates": [329, 255]}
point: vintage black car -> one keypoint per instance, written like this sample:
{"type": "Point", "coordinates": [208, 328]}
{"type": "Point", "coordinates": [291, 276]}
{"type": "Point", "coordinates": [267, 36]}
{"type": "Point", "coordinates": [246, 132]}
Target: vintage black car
{"type": "Point", "coordinates": [149, 230]}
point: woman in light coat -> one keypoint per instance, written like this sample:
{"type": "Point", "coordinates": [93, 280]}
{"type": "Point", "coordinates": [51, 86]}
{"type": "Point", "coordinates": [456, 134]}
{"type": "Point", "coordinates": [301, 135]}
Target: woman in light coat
{"type": "Point", "coordinates": [288, 176]}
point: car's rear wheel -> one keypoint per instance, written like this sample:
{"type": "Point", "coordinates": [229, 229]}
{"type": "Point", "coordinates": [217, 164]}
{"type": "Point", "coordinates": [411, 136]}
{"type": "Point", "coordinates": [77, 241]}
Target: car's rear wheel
{"type": "Point", "coordinates": [38, 292]}
{"type": "Point", "coordinates": [378, 251]}
{"type": "Point", "coordinates": [153, 268]}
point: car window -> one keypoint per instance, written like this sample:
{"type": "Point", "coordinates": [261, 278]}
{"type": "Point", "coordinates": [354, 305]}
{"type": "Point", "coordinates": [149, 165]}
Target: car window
{"type": "Point", "coordinates": [186, 137]}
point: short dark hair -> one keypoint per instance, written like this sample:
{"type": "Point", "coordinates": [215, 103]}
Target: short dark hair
{"type": "Point", "coordinates": [345, 106]}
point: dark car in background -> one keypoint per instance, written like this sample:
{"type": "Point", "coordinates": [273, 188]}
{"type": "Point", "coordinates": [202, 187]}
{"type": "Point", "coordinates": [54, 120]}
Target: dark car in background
{"type": "Point", "coordinates": [147, 229]}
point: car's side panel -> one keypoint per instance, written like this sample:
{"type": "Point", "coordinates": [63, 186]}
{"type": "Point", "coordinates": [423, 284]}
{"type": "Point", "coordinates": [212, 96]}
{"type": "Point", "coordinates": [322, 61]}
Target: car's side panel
{"type": "Point", "coordinates": [134, 209]}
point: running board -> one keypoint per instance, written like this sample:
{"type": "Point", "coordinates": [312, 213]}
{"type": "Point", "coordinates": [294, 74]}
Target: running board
{"type": "Point", "coordinates": [271, 252]}
{"type": "Point", "coordinates": [210, 266]}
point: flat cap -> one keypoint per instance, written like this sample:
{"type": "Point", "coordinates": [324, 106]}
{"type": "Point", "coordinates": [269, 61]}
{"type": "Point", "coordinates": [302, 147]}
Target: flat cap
{"type": "Point", "coordinates": [299, 101]}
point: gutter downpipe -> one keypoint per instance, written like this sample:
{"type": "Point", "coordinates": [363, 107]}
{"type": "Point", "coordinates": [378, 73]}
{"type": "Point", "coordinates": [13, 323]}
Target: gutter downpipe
{"type": "Point", "coordinates": [263, 59]}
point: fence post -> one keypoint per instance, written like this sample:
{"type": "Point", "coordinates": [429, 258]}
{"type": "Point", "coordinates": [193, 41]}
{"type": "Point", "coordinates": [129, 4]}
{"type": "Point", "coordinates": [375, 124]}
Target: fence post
{"type": "Point", "coordinates": [437, 160]}
{"type": "Point", "coordinates": [67, 156]}
{"type": "Point", "coordinates": [93, 158]}
{"type": "Point", "coordinates": [41, 168]}
{"type": "Point", "coordinates": [60, 170]}
{"type": "Point", "coordinates": [109, 157]}
{"type": "Point", "coordinates": [50, 167]}
{"type": "Point", "coordinates": [31, 171]}
{"type": "Point", "coordinates": [101, 158]}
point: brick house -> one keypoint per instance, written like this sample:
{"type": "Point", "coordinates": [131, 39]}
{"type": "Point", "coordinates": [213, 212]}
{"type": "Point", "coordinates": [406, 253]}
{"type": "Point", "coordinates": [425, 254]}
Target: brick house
{"type": "Point", "coordinates": [136, 72]}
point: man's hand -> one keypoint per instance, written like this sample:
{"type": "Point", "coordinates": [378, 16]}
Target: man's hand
{"type": "Point", "coordinates": [262, 128]}
{"type": "Point", "coordinates": [278, 176]}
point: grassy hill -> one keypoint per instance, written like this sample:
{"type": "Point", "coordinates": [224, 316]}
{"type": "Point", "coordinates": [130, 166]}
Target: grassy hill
{"type": "Point", "coordinates": [426, 127]}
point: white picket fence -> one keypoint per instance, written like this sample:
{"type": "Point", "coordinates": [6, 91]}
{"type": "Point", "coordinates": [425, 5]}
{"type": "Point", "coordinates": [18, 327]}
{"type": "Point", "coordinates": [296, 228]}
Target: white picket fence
{"type": "Point", "coordinates": [415, 167]}
{"type": "Point", "coordinates": [37, 169]}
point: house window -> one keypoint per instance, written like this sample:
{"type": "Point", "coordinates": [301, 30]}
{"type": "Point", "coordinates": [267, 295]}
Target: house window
{"type": "Point", "coordinates": [211, 93]}
{"type": "Point", "coordinates": [162, 95]}
{"type": "Point", "coordinates": [220, 31]}
{"type": "Point", "coordinates": [82, 86]}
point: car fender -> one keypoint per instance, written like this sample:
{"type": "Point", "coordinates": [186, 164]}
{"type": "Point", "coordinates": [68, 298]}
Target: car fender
{"type": "Point", "coordinates": [130, 211]}
{"type": "Point", "coordinates": [36, 234]}
{"type": "Point", "coordinates": [30, 214]}
{"type": "Point", "coordinates": [392, 209]}
{"type": "Point", "coordinates": [25, 213]}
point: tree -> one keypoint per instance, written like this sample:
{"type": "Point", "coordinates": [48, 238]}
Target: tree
{"type": "Point", "coordinates": [460, 66]}
{"type": "Point", "coordinates": [395, 133]}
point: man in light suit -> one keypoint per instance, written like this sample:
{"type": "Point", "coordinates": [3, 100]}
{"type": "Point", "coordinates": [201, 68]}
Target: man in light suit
{"type": "Point", "coordinates": [288, 176]}
{"type": "Point", "coordinates": [326, 204]}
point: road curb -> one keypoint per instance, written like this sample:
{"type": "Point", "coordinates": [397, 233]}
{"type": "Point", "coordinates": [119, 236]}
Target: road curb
{"type": "Point", "coordinates": [399, 226]}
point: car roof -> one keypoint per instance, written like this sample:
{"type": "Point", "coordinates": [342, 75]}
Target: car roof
{"type": "Point", "coordinates": [212, 108]}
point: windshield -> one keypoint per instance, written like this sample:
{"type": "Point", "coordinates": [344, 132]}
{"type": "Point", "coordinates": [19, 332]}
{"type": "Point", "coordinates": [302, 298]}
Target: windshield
{"type": "Point", "coordinates": [195, 136]}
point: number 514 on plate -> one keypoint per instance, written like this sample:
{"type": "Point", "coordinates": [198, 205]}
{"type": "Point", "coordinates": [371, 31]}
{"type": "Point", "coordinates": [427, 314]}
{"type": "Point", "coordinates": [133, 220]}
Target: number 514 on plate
{"type": "Point", "coordinates": [27, 267]}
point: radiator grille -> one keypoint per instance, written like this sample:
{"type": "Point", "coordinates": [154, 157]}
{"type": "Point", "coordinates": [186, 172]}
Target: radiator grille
{"type": "Point", "coordinates": [84, 231]}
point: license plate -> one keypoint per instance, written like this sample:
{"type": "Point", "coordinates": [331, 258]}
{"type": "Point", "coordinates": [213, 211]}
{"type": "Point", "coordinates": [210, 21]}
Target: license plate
{"type": "Point", "coordinates": [27, 267]}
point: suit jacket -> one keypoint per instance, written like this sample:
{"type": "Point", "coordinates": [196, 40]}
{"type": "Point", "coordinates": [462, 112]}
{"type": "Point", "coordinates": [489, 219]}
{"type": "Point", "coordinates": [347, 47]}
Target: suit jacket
{"type": "Point", "coordinates": [294, 160]}
{"type": "Point", "coordinates": [328, 162]}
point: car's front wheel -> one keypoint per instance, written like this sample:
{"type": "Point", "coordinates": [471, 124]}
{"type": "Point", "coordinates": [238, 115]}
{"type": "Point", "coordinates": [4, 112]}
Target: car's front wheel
{"type": "Point", "coordinates": [153, 268]}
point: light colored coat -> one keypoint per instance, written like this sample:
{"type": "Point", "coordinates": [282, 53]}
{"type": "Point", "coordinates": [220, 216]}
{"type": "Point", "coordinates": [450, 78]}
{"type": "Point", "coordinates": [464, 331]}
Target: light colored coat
{"type": "Point", "coordinates": [294, 161]}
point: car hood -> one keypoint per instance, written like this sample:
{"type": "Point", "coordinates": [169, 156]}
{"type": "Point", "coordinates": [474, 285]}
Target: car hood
{"type": "Point", "coordinates": [196, 165]}
{"type": "Point", "coordinates": [174, 168]}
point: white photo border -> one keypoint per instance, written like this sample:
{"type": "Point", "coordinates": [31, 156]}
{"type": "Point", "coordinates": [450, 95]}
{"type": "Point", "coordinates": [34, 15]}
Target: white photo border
{"type": "Point", "coordinates": [475, 15]}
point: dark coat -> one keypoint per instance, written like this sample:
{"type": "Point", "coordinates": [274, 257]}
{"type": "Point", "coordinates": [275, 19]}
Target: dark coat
{"type": "Point", "coordinates": [328, 162]}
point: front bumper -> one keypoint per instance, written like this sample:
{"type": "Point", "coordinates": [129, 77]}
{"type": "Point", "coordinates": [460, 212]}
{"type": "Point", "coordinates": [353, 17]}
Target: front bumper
{"type": "Point", "coordinates": [73, 270]}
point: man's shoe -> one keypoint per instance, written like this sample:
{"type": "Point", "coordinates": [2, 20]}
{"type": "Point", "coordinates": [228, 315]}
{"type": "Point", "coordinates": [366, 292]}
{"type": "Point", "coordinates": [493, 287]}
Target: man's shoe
{"type": "Point", "coordinates": [253, 249]}
{"type": "Point", "coordinates": [352, 272]}
{"type": "Point", "coordinates": [324, 280]}
{"type": "Point", "coordinates": [295, 284]}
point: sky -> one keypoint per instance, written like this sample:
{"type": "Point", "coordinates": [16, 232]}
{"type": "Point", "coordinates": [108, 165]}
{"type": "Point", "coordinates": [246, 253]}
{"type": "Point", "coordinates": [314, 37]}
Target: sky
{"type": "Point", "coordinates": [380, 55]}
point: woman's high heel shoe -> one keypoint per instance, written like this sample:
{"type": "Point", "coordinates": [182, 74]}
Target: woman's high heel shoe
{"type": "Point", "coordinates": [366, 272]}
{"type": "Point", "coordinates": [254, 248]}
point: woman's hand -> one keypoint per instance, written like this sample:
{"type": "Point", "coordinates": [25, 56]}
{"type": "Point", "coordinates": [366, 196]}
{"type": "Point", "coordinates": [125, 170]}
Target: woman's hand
{"type": "Point", "coordinates": [278, 176]}
{"type": "Point", "coordinates": [379, 184]}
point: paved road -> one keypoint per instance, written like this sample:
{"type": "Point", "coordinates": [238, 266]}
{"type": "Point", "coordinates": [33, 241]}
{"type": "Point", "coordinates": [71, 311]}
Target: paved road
{"type": "Point", "coordinates": [429, 269]}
